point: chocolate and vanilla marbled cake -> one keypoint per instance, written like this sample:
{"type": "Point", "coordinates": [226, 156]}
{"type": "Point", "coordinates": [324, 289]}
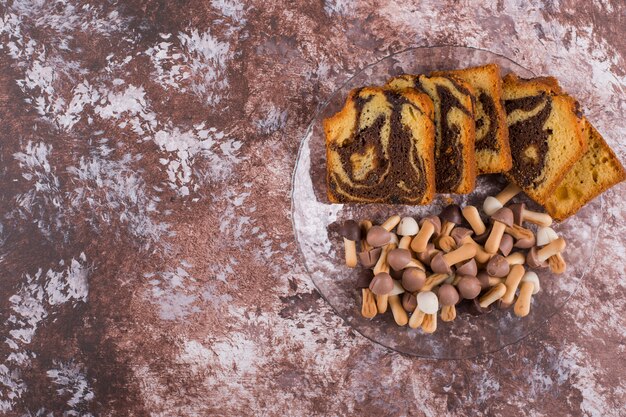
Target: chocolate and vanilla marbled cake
{"type": "Point", "coordinates": [597, 170]}
{"type": "Point", "coordinates": [379, 148]}
{"type": "Point", "coordinates": [455, 166]}
{"type": "Point", "coordinates": [545, 134]}
{"type": "Point", "coordinates": [493, 154]}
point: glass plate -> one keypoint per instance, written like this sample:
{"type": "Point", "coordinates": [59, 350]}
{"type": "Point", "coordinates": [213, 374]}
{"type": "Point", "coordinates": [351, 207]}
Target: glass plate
{"type": "Point", "coordinates": [322, 248]}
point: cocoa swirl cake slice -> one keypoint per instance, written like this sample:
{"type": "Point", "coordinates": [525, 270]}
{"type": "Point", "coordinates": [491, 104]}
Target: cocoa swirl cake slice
{"type": "Point", "coordinates": [493, 154]}
{"type": "Point", "coordinates": [379, 148]}
{"type": "Point", "coordinates": [545, 134]}
{"type": "Point", "coordinates": [455, 166]}
{"type": "Point", "coordinates": [597, 170]}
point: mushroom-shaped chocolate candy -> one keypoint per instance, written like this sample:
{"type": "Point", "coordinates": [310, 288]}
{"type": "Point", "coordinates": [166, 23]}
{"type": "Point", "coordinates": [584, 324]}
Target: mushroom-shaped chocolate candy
{"type": "Point", "coordinates": [506, 244]}
{"type": "Point", "coordinates": [407, 227]}
{"type": "Point", "coordinates": [351, 233]}
{"type": "Point", "coordinates": [498, 266]}
{"type": "Point", "coordinates": [545, 235]}
{"type": "Point", "coordinates": [469, 287]}
{"type": "Point", "coordinates": [463, 237]}
{"type": "Point", "coordinates": [494, 294]}
{"type": "Point", "coordinates": [442, 264]}
{"type": "Point", "coordinates": [473, 218]}
{"type": "Point", "coordinates": [380, 285]}
{"type": "Point", "coordinates": [536, 258]}
{"type": "Point", "coordinates": [512, 282]}
{"type": "Point", "coordinates": [529, 287]}
{"type": "Point", "coordinates": [381, 235]}
{"type": "Point", "coordinates": [399, 315]}
{"type": "Point", "coordinates": [427, 305]}
{"type": "Point", "coordinates": [451, 216]}
{"type": "Point", "coordinates": [382, 265]}
{"type": "Point", "coordinates": [448, 297]}
{"type": "Point", "coordinates": [368, 306]}
{"type": "Point", "coordinates": [467, 268]}
{"type": "Point", "coordinates": [368, 255]}
{"type": "Point", "coordinates": [521, 215]}
{"type": "Point", "coordinates": [429, 226]}
{"type": "Point", "coordinates": [413, 279]}
{"type": "Point", "coordinates": [487, 281]}
{"type": "Point", "coordinates": [409, 302]}
{"type": "Point", "coordinates": [399, 259]}
{"type": "Point", "coordinates": [501, 219]}
{"type": "Point", "coordinates": [425, 256]}
{"type": "Point", "coordinates": [493, 204]}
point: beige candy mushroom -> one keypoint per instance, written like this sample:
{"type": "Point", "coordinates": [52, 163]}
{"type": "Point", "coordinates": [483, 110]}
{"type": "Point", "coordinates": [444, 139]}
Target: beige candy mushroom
{"type": "Point", "coordinates": [426, 312]}
{"type": "Point", "coordinates": [493, 204]}
{"type": "Point", "coordinates": [536, 258]}
{"type": "Point", "coordinates": [512, 282]}
{"type": "Point", "coordinates": [521, 215]}
{"type": "Point", "coordinates": [407, 227]}
{"type": "Point", "coordinates": [545, 235]}
{"type": "Point", "coordinates": [451, 216]}
{"type": "Point", "coordinates": [351, 233]}
{"type": "Point", "coordinates": [473, 218]}
{"type": "Point", "coordinates": [501, 219]}
{"type": "Point", "coordinates": [442, 263]}
{"type": "Point", "coordinates": [494, 294]}
{"type": "Point", "coordinates": [399, 315]}
{"type": "Point", "coordinates": [448, 297]}
{"type": "Point", "coordinates": [430, 226]}
{"type": "Point", "coordinates": [529, 287]}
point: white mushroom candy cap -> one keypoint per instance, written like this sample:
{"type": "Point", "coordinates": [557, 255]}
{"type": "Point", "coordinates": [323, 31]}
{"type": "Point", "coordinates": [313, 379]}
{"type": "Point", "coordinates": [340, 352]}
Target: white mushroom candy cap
{"type": "Point", "coordinates": [530, 276]}
{"type": "Point", "coordinates": [427, 302]}
{"type": "Point", "coordinates": [545, 235]}
{"type": "Point", "coordinates": [397, 288]}
{"type": "Point", "coordinates": [491, 205]}
{"type": "Point", "coordinates": [394, 239]}
{"type": "Point", "coordinates": [408, 227]}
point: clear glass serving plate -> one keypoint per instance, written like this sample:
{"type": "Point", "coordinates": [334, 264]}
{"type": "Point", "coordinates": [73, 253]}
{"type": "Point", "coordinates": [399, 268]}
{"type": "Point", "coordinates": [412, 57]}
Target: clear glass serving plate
{"type": "Point", "coordinates": [322, 248]}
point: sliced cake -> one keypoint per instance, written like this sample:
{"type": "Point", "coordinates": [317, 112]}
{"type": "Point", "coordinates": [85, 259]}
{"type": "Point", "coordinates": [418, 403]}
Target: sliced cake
{"type": "Point", "coordinates": [545, 134]}
{"type": "Point", "coordinates": [379, 148]}
{"type": "Point", "coordinates": [455, 166]}
{"type": "Point", "coordinates": [597, 170]}
{"type": "Point", "coordinates": [493, 154]}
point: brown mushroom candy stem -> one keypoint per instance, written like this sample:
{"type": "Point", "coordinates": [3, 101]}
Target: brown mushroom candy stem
{"type": "Point", "coordinates": [519, 232]}
{"type": "Point", "coordinates": [465, 252]}
{"type": "Point", "coordinates": [382, 265]}
{"type": "Point", "coordinates": [382, 301]}
{"type": "Point", "coordinates": [493, 241]}
{"type": "Point", "coordinates": [420, 241]}
{"type": "Point", "coordinates": [350, 252]}
{"type": "Point", "coordinates": [493, 295]}
{"type": "Point", "coordinates": [516, 258]}
{"type": "Point", "coordinates": [405, 242]}
{"type": "Point", "coordinates": [429, 325]}
{"type": "Point", "coordinates": [366, 225]}
{"type": "Point", "coordinates": [522, 305]}
{"type": "Point", "coordinates": [552, 248]}
{"type": "Point", "coordinates": [557, 264]}
{"type": "Point", "coordinates": [368, 308]}
{"type": "Point", "coordinates": [512, 282]}
{"type": "Point", "coordinates": [432, 281]}
{"type": "Point", "coordinates": [508, 193]}
{"type": "Point", "coordinates": [446, 243]}
{"type": "Point", "coordinates": [448, 313]}
{"type": "Point", "coordinates": [540, 219]}
{"type": "Point", "coordinates": [473, 218]}
{"type": "Point", "coordinates": [416, 318]}
{"type": "Point", "coordinates": [391, 222]}
{"type": "Point", "coordinates": [399, 315]}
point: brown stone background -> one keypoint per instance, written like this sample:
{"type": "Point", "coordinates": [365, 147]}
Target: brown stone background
{"type": "Point", "coordinates": [147, 258]}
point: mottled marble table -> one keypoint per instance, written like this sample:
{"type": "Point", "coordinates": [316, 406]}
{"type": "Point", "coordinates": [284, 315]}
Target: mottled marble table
{"type": "Point", "coordinates": [147, 256]}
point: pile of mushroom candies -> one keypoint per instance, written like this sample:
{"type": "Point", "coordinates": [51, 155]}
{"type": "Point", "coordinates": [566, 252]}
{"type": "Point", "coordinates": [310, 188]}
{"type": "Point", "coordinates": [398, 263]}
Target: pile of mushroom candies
{"type": "Point", "coordinates": [438, 262]}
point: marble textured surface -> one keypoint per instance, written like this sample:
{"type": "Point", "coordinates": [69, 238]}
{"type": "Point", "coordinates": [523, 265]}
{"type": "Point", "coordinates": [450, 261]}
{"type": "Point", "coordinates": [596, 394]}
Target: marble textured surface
{"type": "Point", "coordinates": [147, 256]}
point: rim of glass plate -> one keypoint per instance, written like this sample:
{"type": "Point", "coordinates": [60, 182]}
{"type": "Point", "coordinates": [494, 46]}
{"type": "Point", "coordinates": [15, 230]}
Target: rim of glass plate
{"type": "Point", "coordinates": [320, 108]}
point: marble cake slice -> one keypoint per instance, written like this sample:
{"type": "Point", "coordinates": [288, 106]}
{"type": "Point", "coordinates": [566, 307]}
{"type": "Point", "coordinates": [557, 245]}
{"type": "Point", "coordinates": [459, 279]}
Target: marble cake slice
{"type": "Point", "coordinates": [545, 134]}
{"type": "Point", "coordinates": [455, 166]}
{"type": "Point", "coordinates": [493, 154]}
{"type": "Point", "coordinates": [379, 148]}
{"type": "Point", "coordinates": [597, 170]}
